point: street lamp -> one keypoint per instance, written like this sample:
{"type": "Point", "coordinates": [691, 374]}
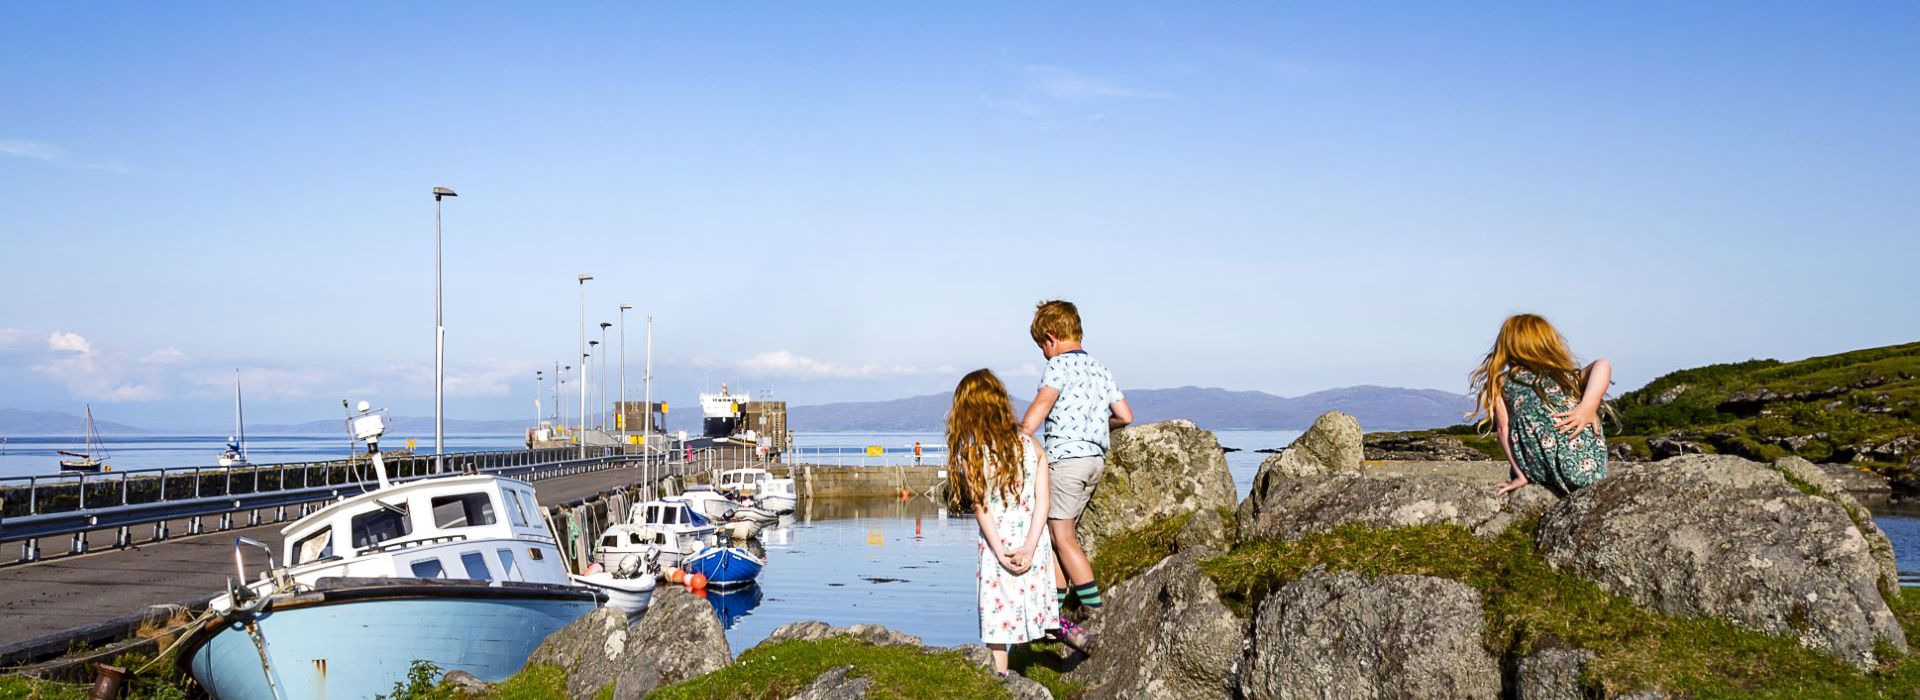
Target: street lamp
{"type": "Point", "coordinates": [594, 351]}
{"type": "Point", "coordinates": [582, 437]}
{"type": "Point", "coordinates": [621, 411]}
{"type": "Point", "coordinates": [538, 386]}
{"type": "Point", "coordinates": [602, 388]}
{"type": "Point", "coordinates": [439, 341]}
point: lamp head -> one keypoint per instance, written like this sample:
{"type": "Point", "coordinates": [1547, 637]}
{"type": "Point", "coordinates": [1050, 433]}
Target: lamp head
{"type": "Point", "coordinates": [605, 325]}
{"type": "Point", "coordinates": [624, 307]}
{"type": "Point", "coordinates": [439, 192]}
{"type": "Point", "coordinates": [584, 278]}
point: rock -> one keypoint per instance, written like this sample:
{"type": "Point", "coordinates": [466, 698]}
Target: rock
{"type": "Point", "coordinates": [1024, 688]}
{"type": "Point", "coordinates": [1551, 674]}
{"type": "Point", "coordinates": [1834, 490]}
{"type": "Point", "coordinates": [1164, 634]}
{"type": "Point", "coordinates": [466, 684]}
{"type": "Point", "coordinates": [1333, 445]}
{"type": "Point", "coordinates": [1621, 452]}
{"type": "Point", "coordinates": [676, 639]}
{"type": "Point", "coordinates": [1720, 536]}
{"type": "Point", "coordinates": [815, 630]}
{"type": "Point", "coordinates": [835, 684]}
{"type": "Point", "coordinates": [1308, 505]}
{"type": "Point", "coordinates": [1206, 531]}
{"type": "Point", "coordinates": [1342, 635]}
{"type": "Point", "coordinates": [1418, 446]}
{"type": "Point", "coordinates": [1663, 447]}
{"type": "Point", "coordinates": [1156, 471]}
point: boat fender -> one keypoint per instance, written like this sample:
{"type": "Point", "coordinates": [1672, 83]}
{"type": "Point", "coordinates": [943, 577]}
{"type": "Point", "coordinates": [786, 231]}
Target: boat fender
{"type": "Point", "coordinates": [697, 582]}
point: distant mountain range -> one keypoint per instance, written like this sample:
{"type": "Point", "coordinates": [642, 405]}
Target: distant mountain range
{"type": "Point", "coordinates": [1378, 408]}
{"type": "Point", "coordinates": [14, 421]}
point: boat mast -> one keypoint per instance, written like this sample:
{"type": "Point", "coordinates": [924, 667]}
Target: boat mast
{"type": "Point", "coordinates": [239, 415]}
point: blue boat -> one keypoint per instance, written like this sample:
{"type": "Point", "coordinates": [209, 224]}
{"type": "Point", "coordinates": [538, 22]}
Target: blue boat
{"type": "Point", "coordinates": [724, 567]}
{"type": "Point", "coordinates": [355, 638]}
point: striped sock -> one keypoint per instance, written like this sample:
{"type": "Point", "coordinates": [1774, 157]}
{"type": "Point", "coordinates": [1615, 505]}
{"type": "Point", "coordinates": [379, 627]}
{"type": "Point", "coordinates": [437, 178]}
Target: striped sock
{"type": "Point", "coordinates": [1088, 593]}
{"type": "Point", "coordinates": [1060, 594]}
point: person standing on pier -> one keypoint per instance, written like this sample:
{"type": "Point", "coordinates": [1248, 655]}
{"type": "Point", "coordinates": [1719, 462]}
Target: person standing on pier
{"type": "Point", "coordinates": [998, 474]}
{"type": "Point", "coordinates": [1078, 405]}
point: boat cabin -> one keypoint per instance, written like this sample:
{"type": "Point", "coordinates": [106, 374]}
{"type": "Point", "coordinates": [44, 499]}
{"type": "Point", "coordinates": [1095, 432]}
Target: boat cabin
{"type": "Point", "coordinates": [744, 481]}
{"type": "Point", "coordinates": [676, 514]}
{"type": "Point", "coordinates": [485, 528]}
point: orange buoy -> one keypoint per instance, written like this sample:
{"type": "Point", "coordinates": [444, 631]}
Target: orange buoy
{"type": "Point", "coordinates": [675, 575]}
{"type": "Point", "coordinates": [697, 582]}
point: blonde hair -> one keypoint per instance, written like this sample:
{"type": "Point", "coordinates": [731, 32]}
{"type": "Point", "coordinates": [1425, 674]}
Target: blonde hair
{"type": "Point", "coordinates": [1529, 342]}
{"type": "Point", "coordinates": [982, 437]}
{"type": "Point", "coordinates": [1057, 317]}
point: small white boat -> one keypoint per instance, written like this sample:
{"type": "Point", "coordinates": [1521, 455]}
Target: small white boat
{"type": "Point", "coordinates": [707, 502]}
{"type": "Point", "coordinates": [670, 524]}
{"type": "Point", "coordinates": [753, 514]}
{"type": "Point", "coordinates": [738, 530]}
{"type": "Point", "coordinates": [627, 584]}
{"type": "Point", "coordinates": [743, 482]}
{"type": "Point", "coordinates": [236, 453]}
{"type": "Point", "coordinates": [665, 544]}
{"type": "Point", "coordinates": [777, 496]}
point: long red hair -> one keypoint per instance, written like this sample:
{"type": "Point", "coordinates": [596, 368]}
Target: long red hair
{"type": "Point", "coordinates": [983, 443]}
{"type": "Point", "coordinates": [1528, 342]}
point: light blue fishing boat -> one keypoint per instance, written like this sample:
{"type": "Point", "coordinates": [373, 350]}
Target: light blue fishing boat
{"type": "Point", "coordinates": [460, 571]}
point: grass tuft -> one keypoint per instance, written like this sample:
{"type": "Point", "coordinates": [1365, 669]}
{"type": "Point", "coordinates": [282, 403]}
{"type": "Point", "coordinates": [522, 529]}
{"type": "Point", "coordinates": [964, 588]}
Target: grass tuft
{"type": "Point", "coordinates": [783, 669]}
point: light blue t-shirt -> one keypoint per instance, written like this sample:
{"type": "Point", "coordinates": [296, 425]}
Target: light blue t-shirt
{"type": "Point", "coordinates": [1077, 425]}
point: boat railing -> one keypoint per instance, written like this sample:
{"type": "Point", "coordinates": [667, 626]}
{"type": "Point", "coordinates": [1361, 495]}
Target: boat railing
{"type": "Point", "coordinates": [39, 506]}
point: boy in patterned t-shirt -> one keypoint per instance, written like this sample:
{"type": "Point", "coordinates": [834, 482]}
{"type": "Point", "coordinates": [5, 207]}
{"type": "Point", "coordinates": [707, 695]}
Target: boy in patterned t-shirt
{"type": "Point", "coordinates": [1078, 404]}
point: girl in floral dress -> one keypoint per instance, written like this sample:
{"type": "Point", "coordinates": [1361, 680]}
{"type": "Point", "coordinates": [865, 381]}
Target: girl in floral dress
{"type": "Point", "coordinates": [1545, 408]}
{"type": "Point", "coordinates": [999, 475]}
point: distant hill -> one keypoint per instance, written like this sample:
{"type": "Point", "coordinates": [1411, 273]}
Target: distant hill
{"type": "Point", "coordinates": [397, 424]}
{"type": "Point", "coordinates": [1861, 406]}
{"type": "Point", "coordinates": [1381, 408]}
{"type": "Point", "coordinates": [14, 421]}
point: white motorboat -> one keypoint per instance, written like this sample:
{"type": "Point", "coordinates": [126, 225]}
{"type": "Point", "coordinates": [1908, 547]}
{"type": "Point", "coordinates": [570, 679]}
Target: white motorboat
{"type": "Point", "coordinates": [707, 502]}
{"type": "Point", "coordinates": [670, 524]}
{"type": "Point", "coordinates": [743, 482]}
{"type": "Point", "coordinates": [667, 544]}
{"type": "Point", "coordinates": [460, 571]}
{"type": "Point", "coordinates": [742, 529]}
{"type": "Point", "coordinates": [777, 496]}
{"type": "Point", "coordinates": [753, 514]}
{"type": "Point", "coordinates": [629, 583]}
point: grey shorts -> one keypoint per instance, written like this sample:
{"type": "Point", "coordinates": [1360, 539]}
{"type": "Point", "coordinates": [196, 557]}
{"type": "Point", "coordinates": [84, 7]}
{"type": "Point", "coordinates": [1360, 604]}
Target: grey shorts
{"type": "Point", "coordinates": [1071, 482]}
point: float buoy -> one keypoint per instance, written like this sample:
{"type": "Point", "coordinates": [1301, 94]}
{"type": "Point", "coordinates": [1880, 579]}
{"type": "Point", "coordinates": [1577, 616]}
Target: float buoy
{"type": "Point", "coordinates": [697, 582]}
{"type": "Point", "coordinates": [675, 575]}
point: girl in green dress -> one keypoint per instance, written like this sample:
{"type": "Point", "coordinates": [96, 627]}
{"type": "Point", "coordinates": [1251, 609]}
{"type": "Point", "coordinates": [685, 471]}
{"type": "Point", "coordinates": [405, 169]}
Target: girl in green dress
{"type": "Point", "coordinates": [1545, 408]}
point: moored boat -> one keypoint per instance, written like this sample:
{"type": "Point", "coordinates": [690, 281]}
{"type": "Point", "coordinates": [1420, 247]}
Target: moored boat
{"type": "Point", "coordinates": [706, 501]}
{"type": "Point", "coordinates": [777, 496]}
{"type": "Point", "coordinates": [725, 567]}
{"type": "Point", "coordinates": [93, 457]}
{"type": "Point", "coordinates": [236, 453]}
{"type": "Point", "coordinates": [742, 483]}
{"type": "Point", "coordinates": [672, 525]}
{"type": "Point", "coordinates": [459, 571]}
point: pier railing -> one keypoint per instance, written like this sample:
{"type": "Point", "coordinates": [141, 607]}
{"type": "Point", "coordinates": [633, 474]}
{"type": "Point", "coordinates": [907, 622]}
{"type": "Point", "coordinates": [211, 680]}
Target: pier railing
{"type": "Point", "coordinates": [35, 507]}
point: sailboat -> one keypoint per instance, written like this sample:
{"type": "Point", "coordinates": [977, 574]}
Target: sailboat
{"type": "Point", "coordinates": [236, 452]}
{"type": "Point", "coordinates": [93, 459]}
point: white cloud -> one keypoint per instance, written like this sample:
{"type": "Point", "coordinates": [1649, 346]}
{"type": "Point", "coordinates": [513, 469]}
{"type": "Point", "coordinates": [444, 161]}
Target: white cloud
{"type": "Point", "coordinates": [1065, 84]}
{"type": "Point", "coordinates": [165, 356]}
{"type": "Point", "coordinates": [50, 153]}
{"type": "Point", "coordinates": [69, 341]}
{"type": "Point", "coordinates": [783, 363]}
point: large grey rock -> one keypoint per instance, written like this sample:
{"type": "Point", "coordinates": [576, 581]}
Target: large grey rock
{"type": "Point", "coordinates": [1206, 531]}
{"type": "Point", "coordinates": [1294, 507]}
{"type": "Point", "coordinates": [1342, 635]}
{"type": "Point", "coordinates": [1331, 446]}
{"type": "Point", "coordinates": [815, 630]}
{"type": "Point", "coordinates": [1156, 471]}
{"type": "Point", "coordinates": [1825, 485]}
{"type": "Point", "coordinates": [1164, 634]}
{"type": "Point", "coordinates": [678, 638]}
{"type": "Point", "coordinates": [836, 684]}
{"type": "Point", "coordinates": [1418, 446]}
{"type": "Point", "coordinates": [1720, 536]}
{"type": "Point", "coordinates": [1551, 674]}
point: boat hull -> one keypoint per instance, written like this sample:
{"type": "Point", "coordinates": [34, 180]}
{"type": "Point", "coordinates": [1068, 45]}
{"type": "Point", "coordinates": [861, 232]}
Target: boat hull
{"type": "Point", "coordinates": [777, 504]}
{"type": "Point", "coordinates": [360, 643]}
{"type": "Point", "coordinates": [724, 567]}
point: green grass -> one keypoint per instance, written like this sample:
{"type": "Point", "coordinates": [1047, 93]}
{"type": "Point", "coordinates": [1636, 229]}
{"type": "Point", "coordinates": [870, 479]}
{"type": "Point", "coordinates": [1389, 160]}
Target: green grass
{"type": "Point", "coordinates": [1529, 605]}
{"type": "Point", "coordinates": [1124, 556]}
{"type": "Point", "coordinates": [782, 669]}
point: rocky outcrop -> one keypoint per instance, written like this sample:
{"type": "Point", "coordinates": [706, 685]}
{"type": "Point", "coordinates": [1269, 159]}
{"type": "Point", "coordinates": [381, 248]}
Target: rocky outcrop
{"type": "Point", "coordinates": [1165, 634]}
{"type": "Point", "coordinates": [1206, 532]}
{"type": "Point", "coordinates": [815, 630]}
{"type": "Point", "coordinates": [1307, 505]}
{"type": "Point", "coordinates": [1319, 484]}
{"type": "Point", "coordinates": [1825, 485]}
{"type": "Point", "coordinates": [840, 683]}
{"type": "Point", "coordinates": [1720, 536]}
{"type": "Point", "coordinates": [1418, 446]}
{"type": "Point", "coordinates": [677, 638]}
{"type": "Point", "coordinates": [1156, 471]}
{"type": "Point", "coordinates": [1342, 635]}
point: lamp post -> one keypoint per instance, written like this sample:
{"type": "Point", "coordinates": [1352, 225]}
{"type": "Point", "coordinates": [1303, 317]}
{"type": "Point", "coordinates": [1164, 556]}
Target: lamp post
{"type": "Point", "coordinates": [538, 387]}
{"type": "Point", "coordinates": [581, 437]}
{"type": "Point", "coordinates": [622, 403]}
{"type": "Point", "coordinates": [593, 350]}
{"type": "Point", "coordinates": [605, 422]}
{"type": "Point", "coordinates": [646, 432]}
{"type": "Point", "coordinates": [439, 341]}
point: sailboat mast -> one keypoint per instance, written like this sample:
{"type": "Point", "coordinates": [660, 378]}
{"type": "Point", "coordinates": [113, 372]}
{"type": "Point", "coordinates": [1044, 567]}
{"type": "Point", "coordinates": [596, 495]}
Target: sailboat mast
{"type": "Point", "coordinates": [239, 415]}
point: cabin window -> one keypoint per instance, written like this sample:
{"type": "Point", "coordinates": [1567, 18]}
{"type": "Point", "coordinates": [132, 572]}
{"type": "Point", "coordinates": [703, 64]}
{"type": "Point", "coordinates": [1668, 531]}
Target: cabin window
{"type": "Point", "coordinates": [378, 526]}
{"type": "Point", "coordinates": [465, 510]}
{"type": "Point", "coordinates": [476, 564]}
{"type": "Point", "coordinates": [610, 541]}
{"type": "Point", "coordinates": [633, 538]}
{"type": "Point", "coordinates": [530, 507]}
{"type": "Point", "coordinates": [428, 568]}
{"type": "Point", "coordinates": [515, 510]}
{"type": "Point", "coordinates": [314, 547]}
{"type": "Point", "coordinates": [509, 566]}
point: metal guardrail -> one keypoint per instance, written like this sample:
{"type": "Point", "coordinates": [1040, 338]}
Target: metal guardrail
{"type": "Point", "coordinates": [80, 504]}
{"type": "Point", "coordinates": [857, 455]}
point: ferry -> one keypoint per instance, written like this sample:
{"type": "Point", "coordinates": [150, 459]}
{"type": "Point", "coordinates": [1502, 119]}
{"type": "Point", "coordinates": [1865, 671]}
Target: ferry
{"type": "Point", "coordinates": [721, 412]}
{"type": "Point", "coordinates": [460, 571]}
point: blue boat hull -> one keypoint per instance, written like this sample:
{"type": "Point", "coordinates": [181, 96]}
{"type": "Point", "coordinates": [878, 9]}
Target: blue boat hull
{"type": "Point", "coordinates": [361, 647]}
{"type": "Point", "coordinates": [724, 566]}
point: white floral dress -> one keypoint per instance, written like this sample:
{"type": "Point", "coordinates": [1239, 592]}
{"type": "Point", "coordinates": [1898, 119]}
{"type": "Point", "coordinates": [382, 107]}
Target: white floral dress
{"type": "Point", "coordinates": [1016, 609]}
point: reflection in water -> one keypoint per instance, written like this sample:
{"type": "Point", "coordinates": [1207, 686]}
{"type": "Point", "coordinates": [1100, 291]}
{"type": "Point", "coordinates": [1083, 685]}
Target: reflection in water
{"type": "Point", "coordinates": [735, 604]}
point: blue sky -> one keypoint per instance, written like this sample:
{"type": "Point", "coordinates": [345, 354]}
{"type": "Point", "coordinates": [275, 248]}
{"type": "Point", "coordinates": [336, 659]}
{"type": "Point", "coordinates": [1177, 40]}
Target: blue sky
{"type": "Point", "coordinates": [855, 201]}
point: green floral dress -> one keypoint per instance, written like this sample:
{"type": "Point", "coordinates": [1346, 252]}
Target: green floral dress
{"type": "Point", "coordinates": [1559, 462]}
